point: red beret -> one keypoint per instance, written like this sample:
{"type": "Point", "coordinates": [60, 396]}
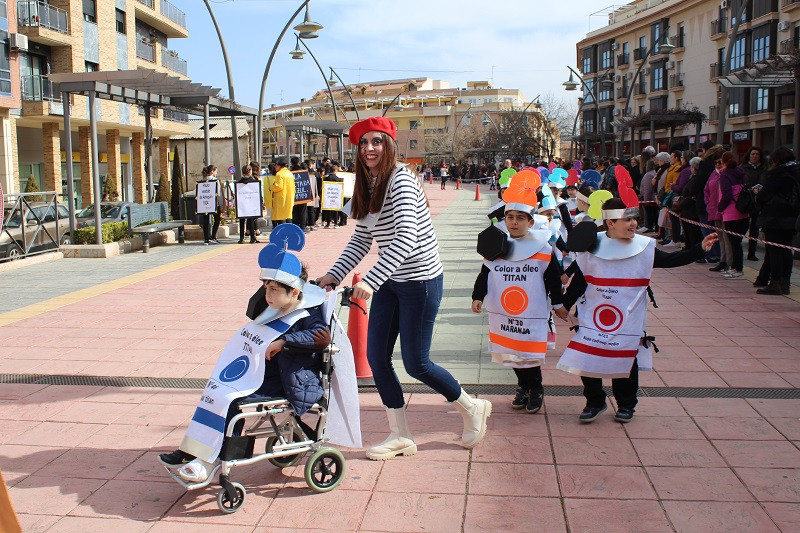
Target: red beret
{"type": "Point", "coordinates": [382, 124]}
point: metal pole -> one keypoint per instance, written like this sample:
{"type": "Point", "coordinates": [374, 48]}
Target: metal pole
{"type": "Point", "coordinates": [98, 226]}
{"type": "Point", "coordinates": [778, 115]}
{"type": "Point", "coordinates": [796, 133]}
{"type": "Point", "coordinates": [347, 92]}
{"type": "Point", "coordinates": [206, 137]}
{"type": "Point", "coordinates": [593, 94]}
{"type": "Point", "coordinates": [68, 149]}
{"type": "Point", "coordinates": [723, 94]}
{"type": "Point", "coordinates": [330, 93]}
{"type": "Point", "coordinates": [148, 153]}
{"type": "Point", "coordinates": [260, 118]}
{"type": "Point", "coordinates": [234, 133]}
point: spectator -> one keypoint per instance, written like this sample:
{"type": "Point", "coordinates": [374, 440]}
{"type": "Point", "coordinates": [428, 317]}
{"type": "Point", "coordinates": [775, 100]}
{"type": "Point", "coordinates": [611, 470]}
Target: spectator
{"type": "Point", "coordinates": [648, 197]}
{"type": "Point", "coordinates": [693, 205]}
{"type": "Point", "coordinates": [282, 193]}
{"type": "Point", "coordinates": [712, 196]}
{"type": "Point", "coordinates": [755, 169]}
{"type": "Point", "coordinates": [732, 180]}
{"type": "Point", "coordinates": [247, 222]}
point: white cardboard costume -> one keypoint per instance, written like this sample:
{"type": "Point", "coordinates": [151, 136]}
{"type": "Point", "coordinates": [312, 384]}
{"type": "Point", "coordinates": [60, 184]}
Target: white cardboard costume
{"type": "Point", "coordinates": [613, 311]}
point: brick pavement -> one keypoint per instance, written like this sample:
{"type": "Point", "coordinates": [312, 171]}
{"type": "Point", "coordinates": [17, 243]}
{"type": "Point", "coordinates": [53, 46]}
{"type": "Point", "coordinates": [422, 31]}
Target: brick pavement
{"type": "Point", "coordinates": [83, 458]}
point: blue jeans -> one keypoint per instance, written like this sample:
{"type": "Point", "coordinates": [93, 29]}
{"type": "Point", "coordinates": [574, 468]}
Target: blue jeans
{"type": "Point", "coordinates": [714, 252]}
{"type": "Point", "coordinates": [408, 309]}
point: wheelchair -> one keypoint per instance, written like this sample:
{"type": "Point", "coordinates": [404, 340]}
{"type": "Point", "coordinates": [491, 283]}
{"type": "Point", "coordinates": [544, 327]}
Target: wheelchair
{"type": "Point", "coordinates": [285, 438]}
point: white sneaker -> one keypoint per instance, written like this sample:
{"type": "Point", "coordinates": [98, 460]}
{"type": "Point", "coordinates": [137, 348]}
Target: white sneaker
{"type": "Point", "coordinates": [725, 272]}
{"type": "Point", "coordinates": [734, 274]}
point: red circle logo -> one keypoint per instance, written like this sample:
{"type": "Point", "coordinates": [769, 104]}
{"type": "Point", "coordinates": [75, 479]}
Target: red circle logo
{"type": "Point", "coordinates": [607, 318]}
{"type": "Point", "coordinates": [514, 300]}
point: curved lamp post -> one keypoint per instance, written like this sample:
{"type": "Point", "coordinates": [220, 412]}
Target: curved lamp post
{"type": "Point", "coordinates": [519, 118]}
{"type": "Point", "coordinates": [308, 30]}
{"type": "Point", "coordinates": [332, 82]}
{"type": "Point", "coordinates": [571, 85]}
{"type": "Point", "coordinates": [468, 115]}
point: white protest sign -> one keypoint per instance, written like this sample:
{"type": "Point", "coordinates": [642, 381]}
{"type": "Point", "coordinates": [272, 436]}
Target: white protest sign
{"type": "Point", "coordinates": [207, 196]}
{"type": "Point", "coordinates": [349, 180]}
{"type": "Point", "coordinates": [332, 195]}
{"type": "Point", "coordinates": [248, 199]}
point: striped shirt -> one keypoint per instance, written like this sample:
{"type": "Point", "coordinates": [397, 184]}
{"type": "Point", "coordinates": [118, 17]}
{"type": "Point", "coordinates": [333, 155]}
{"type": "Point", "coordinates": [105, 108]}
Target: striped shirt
{"type": "Point", "coordinates": [407, 246]}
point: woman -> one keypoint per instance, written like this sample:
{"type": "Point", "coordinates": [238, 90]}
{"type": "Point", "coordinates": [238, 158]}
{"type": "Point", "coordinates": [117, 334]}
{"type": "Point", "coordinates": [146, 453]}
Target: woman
{"type": "Point", "coordinates": [673, 172]}
{"type": "Point", "coordinates": [648, 197]}
{"type": "Point", "coordinates": [662, 167]}
{"type": "Point", "coordinates": [712, 196]}
{"type": "Point", "coordinates": [390, 207]}
{"type": "Point", "coordinates": [331, 216]}
{"type": "Point", "coordinates": [777, 218]}
{"type": "Point", "coordinates": [755, 169]}
{"type": "Point", "coordinates": [732, 180]}
{"type": "Point", "coordinates": [210, 221]}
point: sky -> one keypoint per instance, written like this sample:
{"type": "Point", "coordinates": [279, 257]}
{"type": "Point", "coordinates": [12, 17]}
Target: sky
{"type": "Point", "coordinates": [515, 44]}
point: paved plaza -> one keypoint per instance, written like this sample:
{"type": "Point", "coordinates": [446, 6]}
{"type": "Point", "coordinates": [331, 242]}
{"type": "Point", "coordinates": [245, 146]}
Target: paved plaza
{"type": "Point", "coordinates": [714, 445]}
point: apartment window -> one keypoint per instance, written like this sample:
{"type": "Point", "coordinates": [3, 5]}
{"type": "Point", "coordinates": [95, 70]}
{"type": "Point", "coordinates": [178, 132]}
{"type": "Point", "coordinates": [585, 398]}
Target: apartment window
{"type": "Point", "coordinates": [736, 7]}
{"type": "Point", "coordinates": [412, 144]}
{"type": "Point", "coordinates": [3, 9]}
{"type": "Point", "coordinates": [90, 10]}
{"type": "Point", "coordinates": [736, 102]}
{"type": "Point", "coordinates": [413, 124]}
{"type": "Point", "coordinates": [761, 47]}
{"type": "Point", "coordinates": [641, 109]}
{"type": "Point", "coordinates": [120, 21]}
{"type": "Point", "coordinates": [643, 44]}
{"type": "Point", "coordinates": [762, 7]}
{"type": "Point", "coordinates": [658, 104]}
{"type": "Point", "coordinates": [739, 54]}
{"type": "Point", "coordinates": [5, 65]}
{"type": "Point", "coordinates": [589, 121]}
{"type": "Point", "coordinates": [657, 78]}
{"type": "Point", "coordinates": [606, 91]}
{"type": "Point", "coordinates": [681, 36]}
{"type": "Point", "coordinates": [658, 31]}
{"type": "Point", "coordinates": [762, 100]}
{"type": "Point", "coordinates": [586, 62]}
{"type": "Point", "coordinates": [606, 56]}
{"type": "Point", "coordinates": [92, 67]}
{"type": "Point", "coordinates": [588, 88]}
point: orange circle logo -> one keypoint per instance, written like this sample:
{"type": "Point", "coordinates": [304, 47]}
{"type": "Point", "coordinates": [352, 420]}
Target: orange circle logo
{"type": "Point", "coordinates": [514, 300]}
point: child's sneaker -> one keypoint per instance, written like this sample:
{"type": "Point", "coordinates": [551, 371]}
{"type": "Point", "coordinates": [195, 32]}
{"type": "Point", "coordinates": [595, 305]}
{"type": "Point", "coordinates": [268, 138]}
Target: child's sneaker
{"type": "Point", "coordinates": [521, 399]}
{"type": "Point", "coordinates": [197, 470]}
{"type": "Point", "coordinates": [176, 458]}
{"type": "Point", "coordinates": [534, 402]}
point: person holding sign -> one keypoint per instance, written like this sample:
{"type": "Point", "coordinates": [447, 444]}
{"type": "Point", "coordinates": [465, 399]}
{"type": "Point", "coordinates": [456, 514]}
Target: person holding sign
{"type": "Point", "coordinates": [209, 203]}
{"type": "Point", "coordinates": [390, 207]}
{"type": "Point", "coordinates": [282, 194]}
{"type": "Point", "coordinates": [332, 196]}
{"type": "Point", "coordinates": [248, 201]}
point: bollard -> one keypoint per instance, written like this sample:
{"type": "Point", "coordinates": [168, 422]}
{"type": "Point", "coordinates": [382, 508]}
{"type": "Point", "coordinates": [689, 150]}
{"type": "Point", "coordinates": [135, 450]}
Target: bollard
{"type": "Point", "coordinates": [477, 192]}
{"type": "Point", "coordinates": [357, 333]}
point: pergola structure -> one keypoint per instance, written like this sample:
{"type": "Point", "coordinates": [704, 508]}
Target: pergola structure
{"type": "Point", "coordinates": [148, 89]}
{"type": "Point", "coordinates": [330, 129]}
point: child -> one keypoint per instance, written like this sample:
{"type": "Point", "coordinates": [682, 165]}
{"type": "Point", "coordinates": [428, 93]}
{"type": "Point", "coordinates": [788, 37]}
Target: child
{"type": "Point", "coordinates": [572, 201]}
{"type": "Point", "coordinates": [517, 286]}
{"type": "Point", "coordinates": [611, 277]}
{"type": "Point", "coordinates": [289, 316]}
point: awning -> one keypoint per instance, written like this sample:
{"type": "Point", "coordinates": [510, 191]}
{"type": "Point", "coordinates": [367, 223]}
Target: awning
{"type": "Point", "coordinates": [775, 71]}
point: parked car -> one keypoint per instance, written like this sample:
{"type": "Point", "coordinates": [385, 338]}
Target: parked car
{"type": "Point", "coordinates": [40, 229]}
{"type": "Point", "coordinates": [109, 212]}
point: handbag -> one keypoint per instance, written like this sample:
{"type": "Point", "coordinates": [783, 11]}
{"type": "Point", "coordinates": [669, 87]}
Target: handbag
{"type": "Point", "coordinates": [667, 201]}
{"type": "Point", "coordinates": [677, 203]}
{"type": "Point", "coordinates": [746, 202]}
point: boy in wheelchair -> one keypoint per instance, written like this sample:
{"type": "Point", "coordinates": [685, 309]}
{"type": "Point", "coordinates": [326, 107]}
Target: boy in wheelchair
{"type": "Point", "coordinates": [292, 360]}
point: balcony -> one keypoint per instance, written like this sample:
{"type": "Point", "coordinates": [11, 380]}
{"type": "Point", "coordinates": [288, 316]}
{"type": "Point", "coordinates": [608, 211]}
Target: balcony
{"type": "Point", "coordinates": [623, 60]}
{"type": "Point", "coordinates": [719, 28]}
{"type": "Point", "coordinates": [639, 53]}
{"type": "Point", "coordinates": [715, 71]}
{"type": "Point", "coordinates": [175, 116]}
{"type": "Point", "coordinates": [43, 23]}
{"type": "Point", "coordinates": [620, 93]}
{"type": "Point", "coordinates": [173, 62]}
{"type": "Point", "coordinates": [788, 5]}
{"type": "Point", "coordinates": [788, 46]}
{"type": "Point", "coordinates": [639, 90]}
{"type": "Point", "coordinates": [678, 41]}
{"type": "Point", "coordinates": [37, 88]}
{"type": "Point", "coordinates": [164, 17]}
{"type": "Point", "coordinates": [713, 112]}
{"type": "Point", "coordinates": [145, 51]}
{"type": "Point", "coordinates": [676, 81]}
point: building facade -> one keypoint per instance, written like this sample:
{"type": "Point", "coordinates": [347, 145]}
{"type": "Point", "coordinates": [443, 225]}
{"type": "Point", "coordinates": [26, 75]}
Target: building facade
{"type": "Point", "coordinates": [57, 36]}
{"type": "Point", "coordinates": [435, 122]}
{"type": "Point", "coordinates": [623, 67]}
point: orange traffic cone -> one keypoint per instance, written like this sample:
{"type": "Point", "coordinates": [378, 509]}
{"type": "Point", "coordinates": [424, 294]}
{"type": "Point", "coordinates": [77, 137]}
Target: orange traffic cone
{"type": "Point", "coordinates": [357, 333]}
{"type": "Point", "coordinates": [430, 180]}
{"type": "Point", "coordinates": [458, 184]}
{"type": "Point", "coordinates": [477, 192]}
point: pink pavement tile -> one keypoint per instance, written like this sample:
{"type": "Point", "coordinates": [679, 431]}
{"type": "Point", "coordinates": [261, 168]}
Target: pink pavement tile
{"type": "Point", "coordinates": [757, 338]}
{"type": "Point", "coordinates": [726, 350]}
{"type": "Point", "coordinates": [692, 483]}
{"type": "Point", "coordinates": [503, 479]}
{"type": "Point", "coordinates": [175, 397]}
{"type": "Point", "coordinates": [662, 427]}
{"type": "Point", "coordinates": [718, 517]}
{"type": "Point", "coordinates": [51, 495]}
{"type": "Point", "coordinates": [164, 370]}
{"type": "Point", "coordinates": [201, 505]}
{"type": "Point", "coordinates": [36, 523]}
{"type": "Point", "coordinates": [679, 364]}
{"type": "Point", "coordinates": [22, 366]}
{"type": "Point", "coordinates": [619, 482]}
{"type": "Point", "coordinates": [776, 408]}
{"type": "Point", "coordinates": [774, 352]}
{"type": "Point", "coordinates": [788, 427]}
{"type": "Point", "coordinates": [423, 476]}
{"type": "Point", "coordinates": [416, 512]}
{"type": "Point", "coordinates": [767, 454]}
{"type": "Point", "coordinates": [81, 524]}
{"type": "Point", "coordinates": [151, 414]}
{"type": "Point", "coordinates": [718, 407]}
{"type": "Point", "coordinates": [61, 393]}
{"type": "Point", "coordinates": [127, 395]}
{"type": "Point", "coordinates": [782, 366]}
{"type": "Point", "coordinates": [711, 344]}
{"type": "Point", "coordinates": [112, 368]}
{"type": "Point", "coordinates": [303, 509]}
{"type": "Point", "coordinates": [687, 452]}
{"type": "Point", "coordinates": [131, 500]}
{"type": "Point", "coordinates": [445, 420]}
{"type": "Point", "coordinates": [772, 484]}
{"type": "Point", "coordinates": [654, 406]}
{"type": "Point", "coordinates": [594, 450]}
{"type": "Point", "coordinates": [486, 513]}
{"type": "Point", "coordinates": [615, 516]}
{"type": "Point", "coordinates": [786, 515]}
{"type": "Point", "coordinates": [168, 526]}
{"type": "Point", "coordinates": [126, 437]}
{"type": "Point", "coordinates": [27, 459]}
{"type": "Point", "coordinates": [13, 428]}
{"type": "Point", "coordinates": [737, 428]}
{"type": "Point", "coordinates": [570, 426]}
{"type": "Point", "coordinates": [505, 449]}
{"type": "Point", "coordinates": [61, 434]}
{"type": "Point", "coordinates": [563, 405]}
{"type": "Point", "coordinates": [515, 425]}
{"type": "Point", "coordinates": [650, 379]}
{"type": "Point", "coordinates": [91, 412]}
{"type": "Point", "coordinates": [17, 391]}
{"type": "Point", "coordinates": [692, 379]}
{"type": "Point", "coordinates": [146, 467]}
{"type": "Point", "coordinates": [739, 364]}
{"type": "Point", "coordinates": [89, 463]}
{"type": "Point", "coordinates": [754, 379]}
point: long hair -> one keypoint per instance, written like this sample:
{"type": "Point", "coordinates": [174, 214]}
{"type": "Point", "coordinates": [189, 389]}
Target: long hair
{"type": "Point", "coordinates": [363, 202]}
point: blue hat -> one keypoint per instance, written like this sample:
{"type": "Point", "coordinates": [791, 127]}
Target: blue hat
{"type": "Point", "coordinates": [275, 260]}
{"type": "Point", "coordinates": [548, 200]}
{"type": "Point", "coordinates": [592, 178]}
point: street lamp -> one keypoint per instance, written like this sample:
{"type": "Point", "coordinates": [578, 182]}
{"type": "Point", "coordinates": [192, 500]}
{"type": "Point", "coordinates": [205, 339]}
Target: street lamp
{"type": "Point", "coordinates": [307, 30]}
{"type": "Point", "coordinates": [571, 85]}
{"type": "Point", "coordinates": [332, 82]}
{"type": "Point", "coordinates": [467, 115]}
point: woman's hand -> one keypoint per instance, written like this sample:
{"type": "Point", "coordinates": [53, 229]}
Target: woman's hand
{"type": "Point", "coordinates": [362, 291]}
{"type": "Point", "coordinates": [327, 282]}
{"type": "Point", "coordinates": [477, 305]}
{"type": "Point", "coordinates": [561, 313]}
{"type": "Point", "coordinates": [710, 240]}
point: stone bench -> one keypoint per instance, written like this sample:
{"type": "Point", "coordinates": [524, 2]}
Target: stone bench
{"type": "Point", "coordinates": [147, 230]}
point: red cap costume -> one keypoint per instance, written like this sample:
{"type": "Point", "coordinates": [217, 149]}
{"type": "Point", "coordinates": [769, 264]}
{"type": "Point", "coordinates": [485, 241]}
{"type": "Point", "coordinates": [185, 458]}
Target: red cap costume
{"type": "Point", "coordinates": [381, 124]}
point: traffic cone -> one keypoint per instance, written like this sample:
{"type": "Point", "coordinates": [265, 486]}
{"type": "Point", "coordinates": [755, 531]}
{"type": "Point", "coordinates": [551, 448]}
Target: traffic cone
{"type": "Point", "coordinates": [477, 192]}
{"type": "Point", "coordinates": [357, 333]}
{"type": "Point", "coordinates": [430, 179]}
{"type": "Point", "coordinates": [458, 184]}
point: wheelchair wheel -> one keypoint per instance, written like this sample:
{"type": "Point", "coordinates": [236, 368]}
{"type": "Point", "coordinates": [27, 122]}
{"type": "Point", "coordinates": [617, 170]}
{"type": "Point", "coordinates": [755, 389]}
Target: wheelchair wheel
{"type": "Point", "coordinates": [325, 470]}
{"type": "Point", "coordinates": [287, 460]}
{"type": "Point", "coordinates": [231, 505]}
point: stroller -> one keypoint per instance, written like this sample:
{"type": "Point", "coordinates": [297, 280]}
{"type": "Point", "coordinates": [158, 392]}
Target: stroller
{"type": "Point", "coordinates": [288, 438]}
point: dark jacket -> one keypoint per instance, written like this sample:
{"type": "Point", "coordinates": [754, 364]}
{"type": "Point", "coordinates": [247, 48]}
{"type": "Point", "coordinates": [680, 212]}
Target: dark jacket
{"type": "Point", "coordinates": [693, 206]}
{"type": "Point", "coordinates": [773, 200]}
{"type": "Point", "coordinates": [755, 173]}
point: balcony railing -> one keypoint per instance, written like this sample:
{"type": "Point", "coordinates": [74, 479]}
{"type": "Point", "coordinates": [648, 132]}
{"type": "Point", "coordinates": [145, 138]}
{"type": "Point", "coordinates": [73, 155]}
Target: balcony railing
{"type": "Point", "coordinates": [786, 3]}
{"type": "Point", "coordinates": [639, 89]}
{"type": "Point", "coordinates": [620, 93]}
{"type": "Point", "coordinates": [719, 26]}
{"type": "Point", "coordinates": [639, 53]}
{"type": "Point", "coordinates": [145, 51]}
{"type": "Point", "coordinates": [676, 80]}
{"type": "Point", "coordinates": [623, 59]}
{"type": "Point", "coordinates": [713, 112]}
{"type": "Point", "coordinates": [149, 3]}
{"type": "Point", "coordinates": [788, 46]}
{"type": "Point", "coordinates": [714, 71]}
{"type": "Point", "coordinates": [175, 116]}
{"type": "Point", "coordinates": [172, 61]}
{"type": "Point", "coordinates": [37, 88]}
{"type": "Point", "coordinates": [37, 13]}
{"type": "Point", "coordinates": [173, 13]}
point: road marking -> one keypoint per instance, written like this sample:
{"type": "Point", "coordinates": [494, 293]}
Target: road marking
{"type": "Point", "coordinates": [57, 302]}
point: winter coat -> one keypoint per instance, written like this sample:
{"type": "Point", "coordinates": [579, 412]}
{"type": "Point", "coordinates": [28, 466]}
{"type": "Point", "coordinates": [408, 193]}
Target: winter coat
{"type": "Point", "coordinates": [646, 187]}
{"type": "Point", "coordinates": [731, 183]}
{"type": "Point", "coordinates": [711, 195]}
{"type": "Point", "coordinates": [755, 173]}
{"type": "Point", "coordinates": [683, 178]}
{"type": "Point", "coordinates": [696, 206]}
{"type": "Point", "coordinates": [775, 211]}
{"type": "Point", "coordinates": [282, 195]}
{"type": "Point", "coordinates": [672, 176]}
